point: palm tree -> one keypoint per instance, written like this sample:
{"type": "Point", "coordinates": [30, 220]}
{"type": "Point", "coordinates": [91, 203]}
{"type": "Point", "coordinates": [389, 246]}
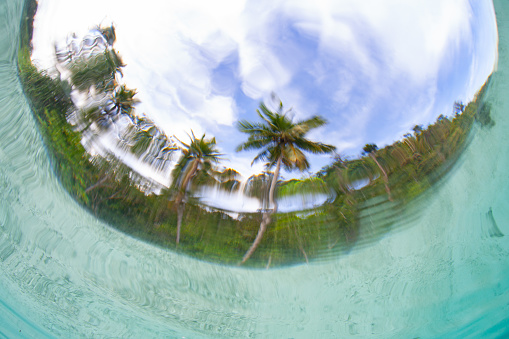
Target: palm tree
{"type": "Point", "coordinates": [106, 112]}
{"type": "Point", "coordinates": [122, 101]}
{"type": "Point", "coordinates": [417, 129]}
{"type": "Point", "coordinates": [108, 34]}
{"type": "Point", "coordinates": [282, 142]}
{"type": "Point", "coordinates": [458, 108]}
{"type": "Point", "coordinates": [149, 143]}
{"type": "Point", "coordinates": [370, 150]}
{"type": "Point", "coordinates": [98, 71]}
{"type": "Point", "coordinates": [198, 157]}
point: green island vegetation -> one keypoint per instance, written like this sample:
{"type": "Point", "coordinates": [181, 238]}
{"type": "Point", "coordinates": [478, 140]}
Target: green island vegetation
{"type": "Point", "coordinates": [174, 218]}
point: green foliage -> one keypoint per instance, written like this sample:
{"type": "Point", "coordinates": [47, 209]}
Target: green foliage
{"type": "Point", "coordinates": [98, 71]}
{"type": "Point", "coordinates": [370, 148]}
{"type": "Point", "coordinates": [108, 190]}
{"type": "Point", "coordinates": [44, 91]}
{"type": "Point", "coordinates": [415, 163]}
{"type": "Point", "coordinates": [313, 185]}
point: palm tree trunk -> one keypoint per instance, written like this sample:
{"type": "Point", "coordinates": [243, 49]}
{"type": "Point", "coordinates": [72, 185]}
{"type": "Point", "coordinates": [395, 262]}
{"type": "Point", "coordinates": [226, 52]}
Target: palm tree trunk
{"type": "Point", "coordinates": [386, 178]}
{"type": "Point", "coordinates": [181, 196]}
{"type": "Point", "coordinates": [180, 214]}
{"type": "Point", "coordinates": [266, 219]}
{"type": "Point", "coordinates": [300, 246]}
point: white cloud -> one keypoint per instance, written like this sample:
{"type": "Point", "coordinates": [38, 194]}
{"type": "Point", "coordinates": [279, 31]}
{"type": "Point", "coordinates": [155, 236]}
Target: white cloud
{"type": "Point", "coordinates": [261, 71]}
{"type": "Point", "coordinates": [220, 109]}
{"type": "Point", "coordinates": [416, 34]}
{"type": "Point", "coordinates": [358, 63]}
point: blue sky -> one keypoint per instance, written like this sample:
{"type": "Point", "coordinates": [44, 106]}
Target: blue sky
{"type": "Point", "coordinates": [372, 68]}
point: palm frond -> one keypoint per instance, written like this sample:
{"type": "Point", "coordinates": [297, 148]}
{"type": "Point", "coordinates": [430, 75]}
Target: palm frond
{"type": "Point", "coordinates": [254, 143]}
{"type": "Point", "coordinates": [309, 124]}
{"type": "Point", "coordinates": [264, 155]}
{"type": "Point", "coordinates": [314, 147]}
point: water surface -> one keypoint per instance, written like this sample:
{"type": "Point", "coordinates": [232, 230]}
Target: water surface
{"type": "Point", "coordinates": [67, 274]}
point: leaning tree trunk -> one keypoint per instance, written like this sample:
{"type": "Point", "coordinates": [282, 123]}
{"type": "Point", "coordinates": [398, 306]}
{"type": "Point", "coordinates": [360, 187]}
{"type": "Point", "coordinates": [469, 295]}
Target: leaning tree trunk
{"type": "Point", "coordinates": [97, 184]}
{"type": "Point", "coordinates": [180, 197]}
{"type": "Point", "coordinates": [386, 178]}
{"type": "Point", "coordinates": [266, 218]}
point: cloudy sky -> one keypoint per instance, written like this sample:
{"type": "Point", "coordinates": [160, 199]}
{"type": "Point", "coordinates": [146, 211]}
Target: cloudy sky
{"type": "Point", "coordinates": [372, 68]}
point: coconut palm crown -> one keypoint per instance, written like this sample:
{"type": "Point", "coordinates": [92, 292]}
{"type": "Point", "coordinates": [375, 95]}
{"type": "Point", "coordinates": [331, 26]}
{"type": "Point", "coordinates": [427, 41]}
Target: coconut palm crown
{"type": "Point", "coordinates": [282, 139]}
{"type": "Point", "coordinates": [198, 155]}
{"type": "Point", "coordinates": [123, 101]}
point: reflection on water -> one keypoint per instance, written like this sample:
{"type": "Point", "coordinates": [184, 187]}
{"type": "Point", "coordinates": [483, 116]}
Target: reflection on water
{"type": "Point", "coordinates": [443, 187]}
{"type": "Point", "coordinates": [178, 193]}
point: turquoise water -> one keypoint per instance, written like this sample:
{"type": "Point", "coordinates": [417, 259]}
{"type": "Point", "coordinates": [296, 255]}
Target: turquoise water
{"type": "Point", "coordinates": [66, 274]}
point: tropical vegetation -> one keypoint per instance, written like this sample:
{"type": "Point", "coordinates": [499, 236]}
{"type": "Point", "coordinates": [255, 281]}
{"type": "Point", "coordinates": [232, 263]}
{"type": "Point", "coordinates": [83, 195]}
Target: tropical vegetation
{"type": "Point", "coordinates": [372, 189]}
